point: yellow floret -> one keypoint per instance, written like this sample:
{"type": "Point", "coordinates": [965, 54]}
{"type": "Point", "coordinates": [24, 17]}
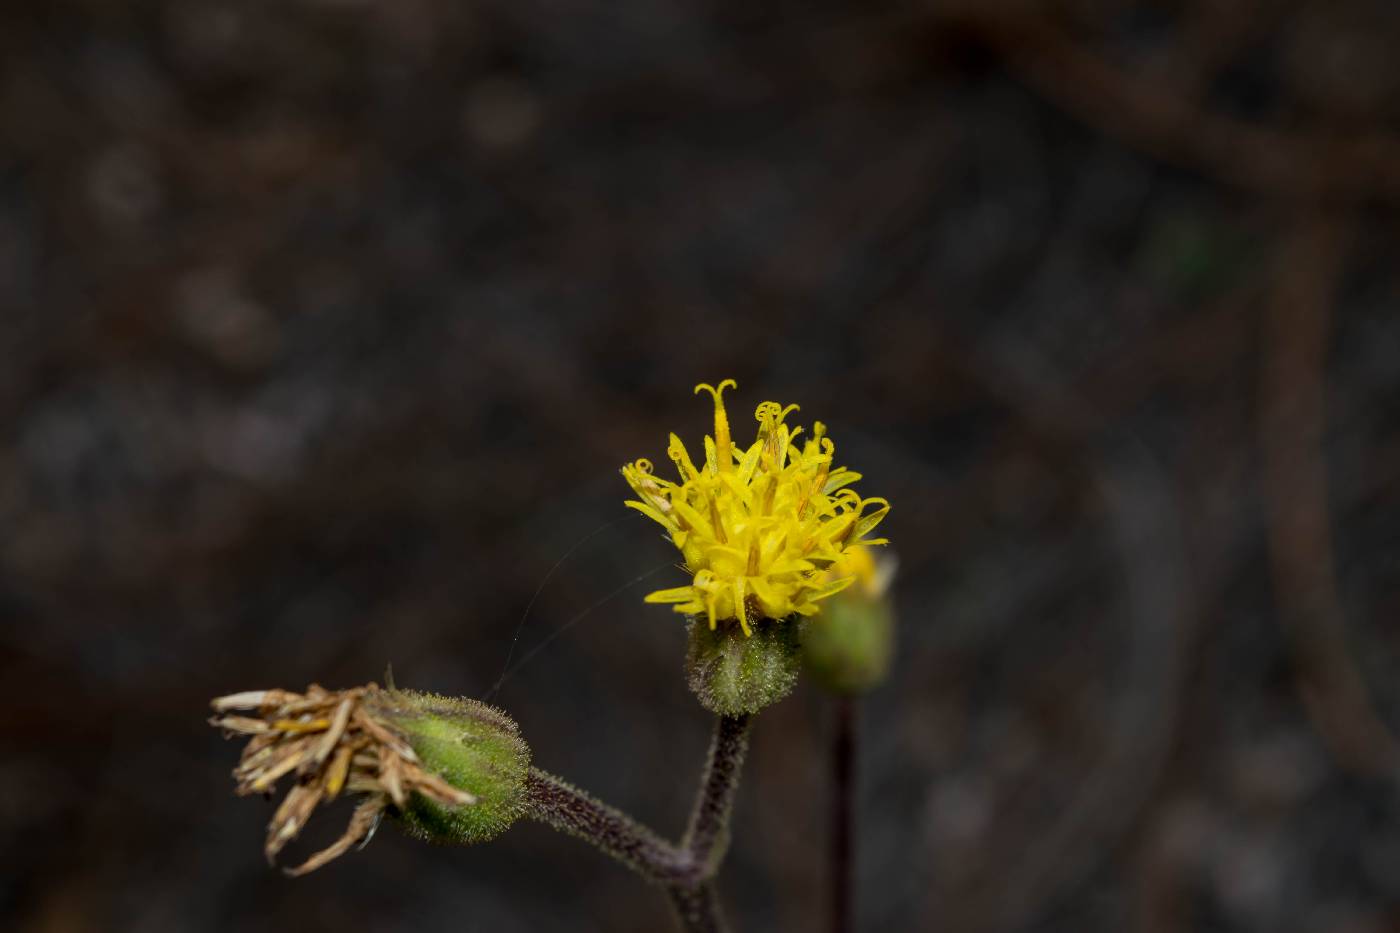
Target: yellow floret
{"type": "Point", "coordinates": [758, 527]}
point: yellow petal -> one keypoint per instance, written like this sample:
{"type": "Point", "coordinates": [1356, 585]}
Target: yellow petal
{"type": "Point", "coordinates": [838, 478]}
{"type": "Point", "coordinates": [829, 589]}
{"type": "Point", "coordinates": [681, 457]}
{"type": "Point", "coordinates": [650, 512]}
{"type": "Point", "coordinates": [867, 523]}
{"type": "Point", "coordinates": [739, 609]}
{"type": "Point", "coordinates": [677, 594]}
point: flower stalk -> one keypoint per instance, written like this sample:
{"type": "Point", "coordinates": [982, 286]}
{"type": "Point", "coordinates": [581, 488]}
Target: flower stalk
{"type": "Point", "coordinates": [842, 842]}
{"type": "Point", "coordinates": [847, 649]}
{"type": "Point", "coordinates": [561, 806]}
{"type": "Point", "coordinates": [707, 837]}
{"type": "Point", "coordinates": [687, 870]}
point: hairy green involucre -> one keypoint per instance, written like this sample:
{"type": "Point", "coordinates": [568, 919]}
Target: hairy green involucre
{"type": "Point", "coordinates": [733, 674]}
{"type": "Point", "coordinates": [472, 746]}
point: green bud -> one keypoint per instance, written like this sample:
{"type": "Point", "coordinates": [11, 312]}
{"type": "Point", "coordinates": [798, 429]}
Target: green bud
{"type": "Point", "coordinates": [472, 746]}
{"type": "Point", "coordinates": [847, 646]}
{"type": "Point", "coordinates": [734, 674]}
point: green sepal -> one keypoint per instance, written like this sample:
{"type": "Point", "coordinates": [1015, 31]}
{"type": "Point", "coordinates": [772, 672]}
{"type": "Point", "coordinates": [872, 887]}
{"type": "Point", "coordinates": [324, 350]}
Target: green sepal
{"type": "Point", "coordinates": [733, 674]}
{"type": "Point", "coordinates": [472, 746]}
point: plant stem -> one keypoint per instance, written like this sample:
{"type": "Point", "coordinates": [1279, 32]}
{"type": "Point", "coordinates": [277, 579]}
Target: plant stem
{"type": "Point", "coordinates": [697, 908]}
{"type": "Point", "coordinates": [842, 814]}
{"type": "Point", "coordinates": [559, 804]}
{"type": "Point", "coordinates": [707, 836]}
{"type": "Point", "coordinates": [686, 871]}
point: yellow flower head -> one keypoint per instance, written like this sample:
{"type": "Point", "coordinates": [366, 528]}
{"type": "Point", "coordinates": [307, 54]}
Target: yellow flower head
{"type": "Point", "coordinates": [758, 527]}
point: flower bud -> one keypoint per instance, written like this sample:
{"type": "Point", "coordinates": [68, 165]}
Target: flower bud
{"type": "Point", "coordinates": [847, 646]}
{"type": "Point", "coordinates": [734, 674]}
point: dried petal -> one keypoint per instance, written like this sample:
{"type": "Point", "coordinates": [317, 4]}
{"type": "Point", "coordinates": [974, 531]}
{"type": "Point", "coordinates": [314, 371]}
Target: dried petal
{"type": "Point", "coordinates": [336, 730]}
{"type": "Point", "coordinates": [362, 824]}
{"type": "Point", "coordinates": [336, 773]}
{"type": "Point", "coordinates": [242, 724]}
{"type": "Point", "coordinates": [386, 738]}
{"type": "Point", "coordinates": [291, 816]}
{"type": "Point", "coordinates": [248, 699]}
{"type": "Point", "coordinates": [294, 757]}
{"type": "Point", "coordinates": [391, 775]}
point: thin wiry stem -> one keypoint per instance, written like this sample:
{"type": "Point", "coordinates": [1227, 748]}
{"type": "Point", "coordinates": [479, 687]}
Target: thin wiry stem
{"type": "Point", "coordinates": [842, 814]}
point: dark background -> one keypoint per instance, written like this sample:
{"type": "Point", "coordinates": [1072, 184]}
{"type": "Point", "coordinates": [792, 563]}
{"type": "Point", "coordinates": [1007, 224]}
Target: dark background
{"type": "Point", "coordinates": [328, 323]}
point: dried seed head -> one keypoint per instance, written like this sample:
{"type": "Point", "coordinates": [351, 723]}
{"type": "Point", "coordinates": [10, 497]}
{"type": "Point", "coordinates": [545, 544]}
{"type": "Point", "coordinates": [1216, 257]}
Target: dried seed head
{"type": "Point", "coordinates": [403, 752]}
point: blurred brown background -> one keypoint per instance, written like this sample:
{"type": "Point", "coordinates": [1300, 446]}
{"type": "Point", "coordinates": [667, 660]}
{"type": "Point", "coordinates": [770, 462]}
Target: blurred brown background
{"type": "Point", "coordinates": [327, 324]}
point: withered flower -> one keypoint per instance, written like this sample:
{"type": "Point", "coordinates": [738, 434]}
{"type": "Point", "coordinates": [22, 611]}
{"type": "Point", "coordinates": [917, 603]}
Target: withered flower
{"type": "Point", "coordinates": [329, 741]}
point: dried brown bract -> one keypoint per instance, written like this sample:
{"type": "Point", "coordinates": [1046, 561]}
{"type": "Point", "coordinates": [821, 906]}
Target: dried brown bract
{"type": "Point", "coordinates": [330, 741]}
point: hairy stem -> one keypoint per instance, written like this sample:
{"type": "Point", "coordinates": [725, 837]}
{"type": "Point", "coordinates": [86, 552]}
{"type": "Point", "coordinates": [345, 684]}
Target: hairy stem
{"type": "Point", "coordinates": [687, 870]}
{"type": "Point", "coordinates": [842, 814]}
{"type": "Point", "coordinates": [559, 804]}
{"type": "Point", "coordinates": [697, 908]}
{"type": "Point", "coordinates": [707, 837]}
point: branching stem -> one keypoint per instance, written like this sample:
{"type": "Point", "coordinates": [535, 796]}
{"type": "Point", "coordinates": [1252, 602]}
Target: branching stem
{"type": "Point", "coordinates": [559, 804]}
{"type": "Point", "coordinates": [686, 871]}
